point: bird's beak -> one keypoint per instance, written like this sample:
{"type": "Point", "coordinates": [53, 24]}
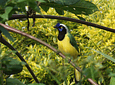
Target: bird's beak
{"type": "Point", "coordinates": [55, 27]}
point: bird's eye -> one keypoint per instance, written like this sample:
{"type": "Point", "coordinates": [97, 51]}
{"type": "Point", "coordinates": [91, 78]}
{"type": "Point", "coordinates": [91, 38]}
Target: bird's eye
{"type": "Point", "coordinates": [61, 27]}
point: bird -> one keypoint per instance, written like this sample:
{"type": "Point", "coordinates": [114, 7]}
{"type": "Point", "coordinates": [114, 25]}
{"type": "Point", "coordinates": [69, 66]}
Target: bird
{"type": "Point", "coordinates": [67, 45]}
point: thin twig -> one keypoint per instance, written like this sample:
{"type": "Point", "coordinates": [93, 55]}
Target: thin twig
{"type": "Point", "coordinates": [28, 22]}
{"type": "Point", "coordinates": [34, 19]}
{"type": "Point", "coordinates": [15, 16]}
{"type": "Point", "coordinates": [91, 81]}
{"type": "Point", "coordinates": [44, 43]}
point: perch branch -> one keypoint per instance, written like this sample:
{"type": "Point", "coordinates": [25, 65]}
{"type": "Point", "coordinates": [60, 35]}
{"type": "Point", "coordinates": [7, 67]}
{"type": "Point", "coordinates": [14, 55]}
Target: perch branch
{"type": "Point", "coordinates": [15, 16]}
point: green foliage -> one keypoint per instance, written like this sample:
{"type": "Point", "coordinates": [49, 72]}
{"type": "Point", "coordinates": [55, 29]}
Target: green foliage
{"type": "Point", "coordinates": [112, 82]}
{"type": "Point", "coordinates": [13, 81]}
{"type": "Point", "coordinates": [106, 56]}
{"type": "Point", "coordinates": [52, 69]}
{"type": "Point", "coordinates": [81, 7]}
{"type": "Point", "coordinates": [64, 2]}
{"type": "Point", "coordinates": [7, 11]}
{"type": "Point", "coordinates": [9, 66]}
{"type": "Point", "coordinates": [74, 6]}
{"type": "Point", "coordinates": [2, 3]}
{"type": "Point", "coordinates": [8, 8]}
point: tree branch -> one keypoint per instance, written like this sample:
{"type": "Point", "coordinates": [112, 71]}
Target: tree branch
{"type": "Point", "coordinates": [42, 42]}
{"type": "Point", "coordinates": [2, 40]}
{"type": "Point", "coordinates": [15, 16]}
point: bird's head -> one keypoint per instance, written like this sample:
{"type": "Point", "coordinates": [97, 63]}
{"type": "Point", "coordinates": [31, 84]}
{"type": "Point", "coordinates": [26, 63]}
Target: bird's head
{"type": "Point", "coordinates": [61, 28]}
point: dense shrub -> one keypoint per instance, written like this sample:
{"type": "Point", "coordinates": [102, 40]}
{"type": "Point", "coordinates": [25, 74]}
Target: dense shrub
{"type": "Point", "coordinates": [95, 45]}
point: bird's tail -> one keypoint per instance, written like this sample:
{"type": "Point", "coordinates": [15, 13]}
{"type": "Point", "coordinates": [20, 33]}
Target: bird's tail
{"type": "Point", "coordinates": [77, 76]}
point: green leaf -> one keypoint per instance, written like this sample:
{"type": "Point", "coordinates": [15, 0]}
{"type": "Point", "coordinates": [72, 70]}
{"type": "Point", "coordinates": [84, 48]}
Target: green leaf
{"type": "Point", "coordinates": [112, 81]}
{"type": "Point", "coordinates": [13, 81]}
{"type": "Point", "coordinates": [8, 9]}
{"type": "Point", "coordinates": [81, 7]}
{"type": "Point", "coordinates": [92, 72]}
{"type": "Point", "coordinates": [6, 33]}
{"type": "Point", "coordinates": [12, 66]}
{"type": "Point", "coordinates": [6, 14]}
{"type": "Point", "coordinates": [21, 1]}
{"type": "Point", "coordinates": [45, 8]}
{"type": "Point", "coordinates": [70, 2]}
{"type": "Point", "coordinates": [106, 56]}
{"type": "Point", "coordinates": [41, 0]}
{"type": "Point", "coordinates": [14, 10]}
{"type": "Point", "coordinates": [60, 12]}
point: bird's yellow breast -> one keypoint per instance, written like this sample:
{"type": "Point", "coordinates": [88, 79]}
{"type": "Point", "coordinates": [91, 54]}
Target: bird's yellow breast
{"type": "Point", "coordinates": [66, 48]}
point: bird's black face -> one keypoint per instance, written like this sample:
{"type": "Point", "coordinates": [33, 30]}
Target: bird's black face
{"type": "Point", "coordinates": [62, 31]}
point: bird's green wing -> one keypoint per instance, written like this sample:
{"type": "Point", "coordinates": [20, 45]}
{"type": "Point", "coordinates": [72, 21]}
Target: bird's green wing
{"type": "Point", "coordinates": [73, 41]}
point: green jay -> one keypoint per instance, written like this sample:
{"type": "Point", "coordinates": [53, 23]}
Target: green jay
{"type": "Point", "coordinates": [67, 45]}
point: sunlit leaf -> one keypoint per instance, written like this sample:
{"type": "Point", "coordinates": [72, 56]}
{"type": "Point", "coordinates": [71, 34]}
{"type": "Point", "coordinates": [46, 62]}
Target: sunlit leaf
{"type": "Point", "coordinates": [106, 56]}
{"type": "Point", "coordinates": [6, 14]}
{"type": "Point", "coordinates": [112, 81]}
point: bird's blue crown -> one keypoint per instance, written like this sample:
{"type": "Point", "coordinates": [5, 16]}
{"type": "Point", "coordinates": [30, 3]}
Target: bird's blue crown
{"type": "Point", "coordinates": [57, 25]}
